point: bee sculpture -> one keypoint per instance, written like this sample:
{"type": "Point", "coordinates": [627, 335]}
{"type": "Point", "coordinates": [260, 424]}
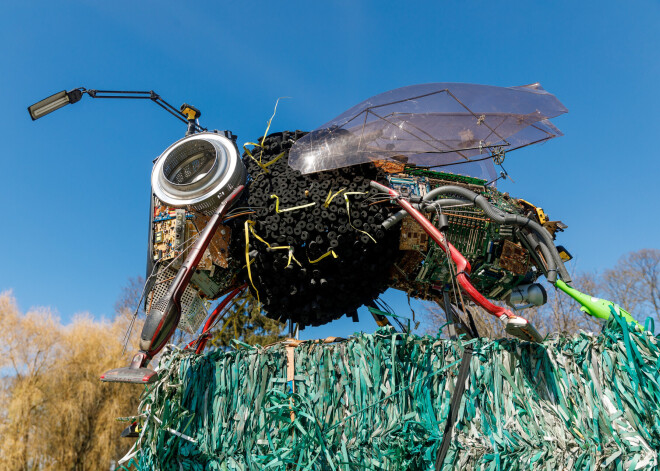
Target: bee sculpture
{"type": "Point", "coordinates": [397, 192]}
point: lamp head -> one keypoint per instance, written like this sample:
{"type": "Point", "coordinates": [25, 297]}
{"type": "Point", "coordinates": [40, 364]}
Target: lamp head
{"type": "Point", "coordinates": [54, 102]}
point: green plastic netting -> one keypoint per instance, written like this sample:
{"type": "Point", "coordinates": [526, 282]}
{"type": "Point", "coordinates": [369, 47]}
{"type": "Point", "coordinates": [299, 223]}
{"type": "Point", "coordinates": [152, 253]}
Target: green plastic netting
{"type": "Point", "coordinates": [380, 401]}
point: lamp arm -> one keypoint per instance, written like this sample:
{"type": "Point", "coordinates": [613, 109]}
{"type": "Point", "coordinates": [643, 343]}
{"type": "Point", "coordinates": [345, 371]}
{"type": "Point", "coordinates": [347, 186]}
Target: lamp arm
{"type": "Point", "coordinates": [142, 95]}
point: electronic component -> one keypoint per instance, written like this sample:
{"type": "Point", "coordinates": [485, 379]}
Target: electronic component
{"type": "Point", "coordinates": [174, 231]}
{"type": "Point", "coordinates": [413, 236]}
{"type": "Point", "coordinates": [408, 186]}
{"type": "Point", "coordinates": [499, 261]}
{"type": "Point", "coordinates": [514, 258]}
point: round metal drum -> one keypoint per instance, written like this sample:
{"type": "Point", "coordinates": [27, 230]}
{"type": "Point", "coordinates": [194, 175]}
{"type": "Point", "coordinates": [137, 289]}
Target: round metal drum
{"type": "Point", "coordinates": [198, 172]}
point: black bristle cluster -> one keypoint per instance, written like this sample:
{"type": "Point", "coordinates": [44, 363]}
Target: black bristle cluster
{"type": "Point", "coordinates": [314, 293]}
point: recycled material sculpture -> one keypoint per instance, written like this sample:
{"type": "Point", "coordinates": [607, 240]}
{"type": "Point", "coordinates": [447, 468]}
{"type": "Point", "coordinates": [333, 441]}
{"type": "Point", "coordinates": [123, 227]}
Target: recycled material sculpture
{"type": "Point", "coordinates": [318, 224]}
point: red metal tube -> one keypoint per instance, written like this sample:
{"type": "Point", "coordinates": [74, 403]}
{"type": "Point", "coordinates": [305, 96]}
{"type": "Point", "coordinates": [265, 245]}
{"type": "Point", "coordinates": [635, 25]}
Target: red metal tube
{"type": "Point", "coordinates": [185, 273]}
{"type": "Point", "coordinates": [214, 315]}
{"type": "Point", "coordinates": [462, 265]}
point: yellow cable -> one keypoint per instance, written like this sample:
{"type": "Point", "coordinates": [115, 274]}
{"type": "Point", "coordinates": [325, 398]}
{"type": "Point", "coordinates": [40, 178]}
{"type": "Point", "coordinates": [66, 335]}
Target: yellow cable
{"type": "Point", "coordinates": [261, 144]}
{"type": "Point", "coordinates": [277, 205]}
{"type": "Point", "coordinates": [248, 224]}
{"type": "Point", "coordinates": [254, 233]}
{"type": "Point", "coordinates": [265, 166]}
{"type": "Point", "coordinates": [330, 197]}
{"type": "Point", "coordinates": [271, 120]}
{"type": "Point", "coordinates": [291, 257]}
{"type": "Point", "coordinates": [329, 252]}
{"type": "Point", "coordinates": [348, 212]}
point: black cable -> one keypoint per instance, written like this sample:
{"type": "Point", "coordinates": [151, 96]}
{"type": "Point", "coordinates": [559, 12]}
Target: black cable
{"type": "Point", "coordinates": [388, 309]}
{"type": "Point", "coordinates": [455, 404]}
{"type": "Point", "coordinates": [130, 92]}
{"type": "Point", "coordinates": [473, 326]}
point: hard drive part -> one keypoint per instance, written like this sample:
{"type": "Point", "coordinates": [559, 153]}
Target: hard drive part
{"type": "Point", "coordinates": [163, 317]}
{"type": "Point", "coordinates": [462, 267]}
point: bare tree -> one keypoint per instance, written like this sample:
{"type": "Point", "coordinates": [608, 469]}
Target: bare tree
{"type": "Point", "coordinates": [82, 430]}
{"type": "Point", "coordinates": [560, 314]}
{"type": "Point", "coordinates": [634, 283]}
{"type": "Point", "coordinates": [131, 293]}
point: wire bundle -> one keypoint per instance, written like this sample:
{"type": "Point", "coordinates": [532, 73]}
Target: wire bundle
{"type": "Point", "coordinates": [380, 401]}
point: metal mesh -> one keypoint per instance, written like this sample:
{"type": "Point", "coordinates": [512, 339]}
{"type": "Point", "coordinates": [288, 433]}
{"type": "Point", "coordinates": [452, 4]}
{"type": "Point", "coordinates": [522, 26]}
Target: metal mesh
{"type": "Point", "coordinates": [193, 312]}
{"type": "Point", "coordinates": [189, 162]}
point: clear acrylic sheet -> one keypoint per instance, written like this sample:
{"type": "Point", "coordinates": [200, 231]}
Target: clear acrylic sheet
{"type": "Point", "coordinates": [450, 126]}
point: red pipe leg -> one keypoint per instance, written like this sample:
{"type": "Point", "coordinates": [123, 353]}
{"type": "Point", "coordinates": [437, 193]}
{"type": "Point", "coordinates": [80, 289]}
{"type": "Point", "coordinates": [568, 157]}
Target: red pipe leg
{"type": "Point", "coordinates": [462, 264]}
{"type": "Point", "coordinates": [214, 315]}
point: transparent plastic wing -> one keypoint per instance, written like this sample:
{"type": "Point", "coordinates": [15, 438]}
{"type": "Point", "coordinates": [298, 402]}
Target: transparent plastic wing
{"type": "Point", "coordinates": [454, 125]}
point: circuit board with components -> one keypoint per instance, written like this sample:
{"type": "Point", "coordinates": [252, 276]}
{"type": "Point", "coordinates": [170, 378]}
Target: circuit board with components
{"type": "Point", "coordinates": [498, 259]}
{"type": "Point", "coordinates": [170, 233]}
{"type": "Point", "coordinates": [173, 233]}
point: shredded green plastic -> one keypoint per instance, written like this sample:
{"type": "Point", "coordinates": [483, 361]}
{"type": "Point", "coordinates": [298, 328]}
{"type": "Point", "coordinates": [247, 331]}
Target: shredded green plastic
{"type": "Point", "coordinates": [380, 401]}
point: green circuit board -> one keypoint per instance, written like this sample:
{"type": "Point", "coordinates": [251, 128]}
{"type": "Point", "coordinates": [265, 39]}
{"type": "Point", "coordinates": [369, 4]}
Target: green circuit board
{"type": "Point", "coordinates": [498, 260]}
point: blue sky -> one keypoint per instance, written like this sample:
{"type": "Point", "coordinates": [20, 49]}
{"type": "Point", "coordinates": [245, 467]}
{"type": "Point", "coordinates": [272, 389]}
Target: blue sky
{"type": "Point", "coordinates": [76, 183]}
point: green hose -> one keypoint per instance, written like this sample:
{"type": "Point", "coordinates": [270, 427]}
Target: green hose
{"type": "Point", "coordinates": [595, 307]}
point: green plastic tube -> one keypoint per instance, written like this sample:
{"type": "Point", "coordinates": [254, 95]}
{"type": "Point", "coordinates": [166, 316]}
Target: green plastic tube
{"type": "Point", "coordinates": [595, 307]}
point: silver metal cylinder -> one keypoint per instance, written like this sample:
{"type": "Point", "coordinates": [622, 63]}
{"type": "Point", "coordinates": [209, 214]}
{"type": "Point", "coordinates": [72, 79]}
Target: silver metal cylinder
{"type": "Point", "coordinates": [198, 172]}
{"type": "Point", "coordinates": [531, 295]}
